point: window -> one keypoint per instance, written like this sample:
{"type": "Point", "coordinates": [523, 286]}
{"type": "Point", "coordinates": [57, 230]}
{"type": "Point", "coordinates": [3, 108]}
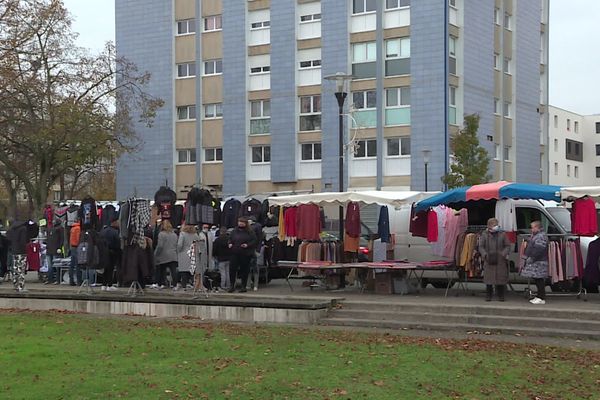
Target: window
{"type": "Point", "coordinates": [496, 106]}
{"type": "Point", "coordinates": [597, 172]}
{"type": "Point", "coordinates": [397, 56]}
{"type": "Point", "coordinates": [186, 70]}
{"type": "Point", "coordinates": [186, 156]}
{"type": "Point", "coordinates": [365, 103]}
{"type": "Point", "coordinates": [555, 168]}
{"type": "Point", "coordinates": [496, 151]}
{"type": "Point", "coordinates": [260, 25]}
{"type": "Point", "coordinates": [261, 154]}
{"type": "Point", "coordinates": [555, 144]}
{"type": "Point", "coordinates": [598, 149]}
{"type": "Point", "coordinates": [452, 55]}
{"type": "Point", "coordinates": [568, 124]}
{"type": "Point", "coordinates": [490, 138]}
{"type": "Point", "coordinates": [260, 117]}
{"type": "Point", "coordinates": [363, 6]}
{"type": "Point", "coordinates": [213, 110]}
{"type": "Point", "coordinates": [364, 56]}
{"type": "Point", "coordinates": [576, 171]}
{"type": "Point", "coordinates": [556, 121]}
{"type": "Point", "coordinates": [452, 105]}
{"type": "Point", "coordinates": [365, 149]}
{"type": "Point", "coordinates": [363, 100]}
{"type": "Point", "coordinates": [597, 127]}
{"type": "Point", "coordinates": [497, 16]}
{"type": "Point", "coordinates": [398, 147]}
{"type": "Point", "coordinates": [393, 4]}
{"type": "Point", "coordinates": [213, 67]}
{"type": "Point", "coordinates": [311, 151]}
{"type": "Point", "coordinates": [186, 26]}
{"type": "Point", "coordinates": [507, 21]}
{"type": "Point", "coordinates": [260, 70]}
{"type": "Point", "coordinates": [212, 23]}
{"type": "Point", "coordinates": [397, 106]}
{"type": "Point", "coordinates": [185, 113]}
{"type": "Point", "coordinates": [506, 153]}
{"type": "Point", "coordinates": [452, 3]}
{"type": "Point", "coordinates": [310, 17]}
{"type": "Point", "coordinates": [310, 113]}
{"type": "Point", "coordinates": [310, 64]}
{"type": "Point", "coordinates": [497, 61]}
{"type": "Point", "coordinates": [213, 155]}
{"type": "Point", "coordinates": [576, 126]}
{"type": "Point", "coordinates": [568, 170]}
{"type": "Point", "coordinates": [507, 109]}
{"type": "Point", "coordinates": [507, 65]}
{"type": "Point", "coordinates": [574, 150]}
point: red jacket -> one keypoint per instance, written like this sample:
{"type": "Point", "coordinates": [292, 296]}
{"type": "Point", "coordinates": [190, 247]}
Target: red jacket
{"type": "Point", "coordinates": [75, 233]}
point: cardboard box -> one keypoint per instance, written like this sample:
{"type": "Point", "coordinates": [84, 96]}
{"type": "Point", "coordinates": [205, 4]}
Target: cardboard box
{"type": "Point", "coordinates": [384, 283]}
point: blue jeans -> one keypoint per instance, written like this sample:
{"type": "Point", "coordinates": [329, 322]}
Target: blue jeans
{"type": "Point", "coordinates": [74, 268]}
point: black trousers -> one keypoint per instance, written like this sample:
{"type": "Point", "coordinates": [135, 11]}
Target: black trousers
{"type": "Point", "coordinates": [161, 270]}
{"type": "Point", "coordinates": [239, 266]}
{"type": "Point", "coordinates": [541, 288]}
{"type": "Point", "coordinates": [115, 260]}
{"type": "Point", "coordinates": [184, 278]}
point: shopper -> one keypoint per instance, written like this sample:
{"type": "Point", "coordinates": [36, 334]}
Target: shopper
{"type": "Point", "coordinates": [74, 270]}
{"type": "Point", "coordinates": [494, 248]}
{"type": "Point", "coordinates": [165, 254]}
{"type": "Point", "coordinates": [187, 237]}
{"type": "Point", "coordinates": [111, 237]}
{"type": "Point", "coordinates": [222, 255]}
{"type": "Point", "coordinates": [254, 267]}
{"type": "Point", "coordinates": [536, 263]}
{"type": "Point", "coordinates": [242, 243]}
{"type": "Point", "coordinates": [204, 248]}
{"type": "Point", "coordinates": [54, 245]}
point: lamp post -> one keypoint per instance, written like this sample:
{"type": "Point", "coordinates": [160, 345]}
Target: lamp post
{"type": "Point", "coordinates": [426, 155]}
{"type": "Point", "coordinates": [340, 80]}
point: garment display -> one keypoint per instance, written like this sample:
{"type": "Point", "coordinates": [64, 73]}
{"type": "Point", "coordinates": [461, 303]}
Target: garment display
{"type": "Point", "coordinates": [584, 221]}
{"type": "Point", "coordinates": [72, 213]}
{"type": "Point", "coordinates": [290, 219]}
{"type": "Point", "coordinates": [252, 209]}
{"type": "Point", "coordinates": [352, 221]}
{"type": "Point", "coordinates": [506, 215]}
{"type": "Point", "coordinates": [437, 247]}
{"type": "Point", "coordinates": [591, 275]}
{"type": "Point", "coordinates": [469, 260]}
{"type": "Point", "coordinates": [351, 244]}
{"type": "Point", "coordinates": [432, 226]}
{"type": "Point", "coordinates": [308, 222]}
{"type": "Point", "coordinates": [379, 250]}
{"type": "Point", "coordinates": [319, 251]}
{"type": "Point", "coordinates": [456, 222]}
{"type": "Point", "coordinates": [383, 224]}
{"type": "Point", "coordinates": [34, 260]}
{"type": "Point", "coordinates": [418, 223]}
{"type": "Point", "coordinates": [231, 212]}
{"type": "Point", "coordinates": [88, 213]}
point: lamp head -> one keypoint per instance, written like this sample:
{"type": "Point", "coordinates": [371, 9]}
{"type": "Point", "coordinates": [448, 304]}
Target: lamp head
{"type": "Point", "coordinates": [340, 79]}
{"type": "Point", "coordinates": [426, 155]}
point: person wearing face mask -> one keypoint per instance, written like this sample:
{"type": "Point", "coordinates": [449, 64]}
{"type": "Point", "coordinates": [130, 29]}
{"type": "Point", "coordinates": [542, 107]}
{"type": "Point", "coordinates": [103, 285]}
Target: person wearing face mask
{"type": "Point", "coordinates": [536, 264]}
{"type": "Point", "coordinates": [494, 248]}
{"type": "Point", "coordinates": [242, 242]}
{"type": "Point", "coordinates": [205, 248]}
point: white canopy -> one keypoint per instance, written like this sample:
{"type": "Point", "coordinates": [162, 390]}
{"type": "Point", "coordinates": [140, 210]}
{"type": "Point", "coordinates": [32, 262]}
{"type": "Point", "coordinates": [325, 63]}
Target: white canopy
{"type": "Point", "coordinates": [580, 191]}
{"type": "Point", "coordinates": [394, 199]}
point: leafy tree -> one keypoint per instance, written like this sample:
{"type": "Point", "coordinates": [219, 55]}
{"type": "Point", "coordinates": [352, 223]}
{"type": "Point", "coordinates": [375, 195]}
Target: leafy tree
{"type": "Point", "coordinates": [58, 112]}
{"type": "Point", "coordinates": [471, 160]}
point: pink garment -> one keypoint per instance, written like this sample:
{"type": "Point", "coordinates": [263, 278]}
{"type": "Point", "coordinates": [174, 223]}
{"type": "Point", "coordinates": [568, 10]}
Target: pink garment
{"type": "Point", "coordinates": [456, 223]}
{"type": "Point", "coordinates": [432, 226]}
{"type": "Point", "coordinates": [559, 264]}
{"type": "Point", "coordinates": [437, 247]}
{"type": "Point", "coordinates": [583, 217]}
{"type": "Point", "coordinates": [308, 222]}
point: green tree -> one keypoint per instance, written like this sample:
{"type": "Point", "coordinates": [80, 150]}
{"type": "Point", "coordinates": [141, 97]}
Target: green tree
{"type": "Point", "coordinates": [58, 102]}
{"type": "Point", "coordinates": [471, 161]}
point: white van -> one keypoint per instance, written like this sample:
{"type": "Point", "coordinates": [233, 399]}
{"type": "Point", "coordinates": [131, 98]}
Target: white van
{"type": "Point", "coordinates": [555, 218]}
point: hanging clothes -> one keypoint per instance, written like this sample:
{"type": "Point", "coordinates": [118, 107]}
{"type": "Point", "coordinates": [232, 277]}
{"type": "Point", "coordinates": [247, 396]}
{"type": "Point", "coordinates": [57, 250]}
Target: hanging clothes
{"type": "Point", "coordinates": [418, 223]}
{"type": "Point", "coordinates": [432, 226]}
{"type": "Point", "coordinates": [455, 224]}
{"type": "Point", "coordinates": [34, 261]}
{"type": "Point", "coordinates": [290, 220]}
{"type": "Point", "coordinates": [506, 215]}
{"type": "Point", "coordinates": [591, 275]}
{"type": "Point", "coordinates": [281, 225]}
{"type": "Point", "coordinates": [308, 222]}
{"type": "Point", "coordinates": [252, 209]}
{"type": "Point", "coordinates": [88, 213]}
{"type": "Point", "coordinates": [352, 222]}
{"type": "Point", "coordinates": [231, 212]}
{"type": "Point", "coordinates": [351, 244]}
{"type": "Point", "coordinates": [584, 221]}
{"type": "Point", "coordinates": [383, 224]}
{"type": "Point", "coordinates": [437, 247]}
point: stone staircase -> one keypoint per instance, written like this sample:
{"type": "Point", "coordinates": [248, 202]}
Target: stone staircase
{"type": "Point", "coordinates": [495, 318]}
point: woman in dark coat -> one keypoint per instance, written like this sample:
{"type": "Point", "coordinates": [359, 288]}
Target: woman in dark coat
{"type": "Point", "coordinates": [242, 243]}
{"type": "Point", "coordinates": [494, 248]}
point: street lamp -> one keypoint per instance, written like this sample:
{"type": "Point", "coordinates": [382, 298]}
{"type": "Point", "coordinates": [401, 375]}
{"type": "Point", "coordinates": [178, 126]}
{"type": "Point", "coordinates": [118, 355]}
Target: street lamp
{"type": "Point", "coordinates": [340, 80]}
{"type": "Point", "coordinates": [426, 155]}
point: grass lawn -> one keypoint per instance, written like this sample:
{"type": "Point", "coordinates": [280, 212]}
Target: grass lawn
{"type": "Point", "coordinates": [67, 356]}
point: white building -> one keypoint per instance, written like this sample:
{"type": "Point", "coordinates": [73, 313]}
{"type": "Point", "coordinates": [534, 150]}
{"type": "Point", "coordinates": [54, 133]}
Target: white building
{"type": "Point", "coordinates": [573, 148]}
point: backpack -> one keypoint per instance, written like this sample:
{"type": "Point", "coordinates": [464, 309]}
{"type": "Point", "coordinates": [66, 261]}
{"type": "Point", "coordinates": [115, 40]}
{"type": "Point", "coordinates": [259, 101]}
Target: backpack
{"type": "Point", "coordinates": [87, 254]}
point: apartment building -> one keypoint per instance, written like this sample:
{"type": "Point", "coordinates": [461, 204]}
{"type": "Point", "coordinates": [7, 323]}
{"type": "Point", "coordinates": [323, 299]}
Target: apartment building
{"type": "Point", "coordinates": [574, 148]}
{"type": "Point", "coordinates": [247, 109]}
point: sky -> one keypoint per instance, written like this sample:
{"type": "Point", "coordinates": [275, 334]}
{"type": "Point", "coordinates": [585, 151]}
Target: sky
{"type": "Point", "coordinates": [574, 55]}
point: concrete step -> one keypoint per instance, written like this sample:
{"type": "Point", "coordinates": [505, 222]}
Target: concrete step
{"type": "Point", "coordinates": [521, 310]}
{"type": "Point", "coordinates": [482, 329]}
{"type": "Point", "coordinates": [499, 320]}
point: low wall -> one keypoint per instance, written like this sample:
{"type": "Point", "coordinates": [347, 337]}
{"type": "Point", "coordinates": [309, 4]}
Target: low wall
{"type": "Point", "coordinates": [218, 312]}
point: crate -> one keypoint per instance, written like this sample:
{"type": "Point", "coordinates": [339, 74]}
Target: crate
{"type": "Point", "coordinates": [384, 283]}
